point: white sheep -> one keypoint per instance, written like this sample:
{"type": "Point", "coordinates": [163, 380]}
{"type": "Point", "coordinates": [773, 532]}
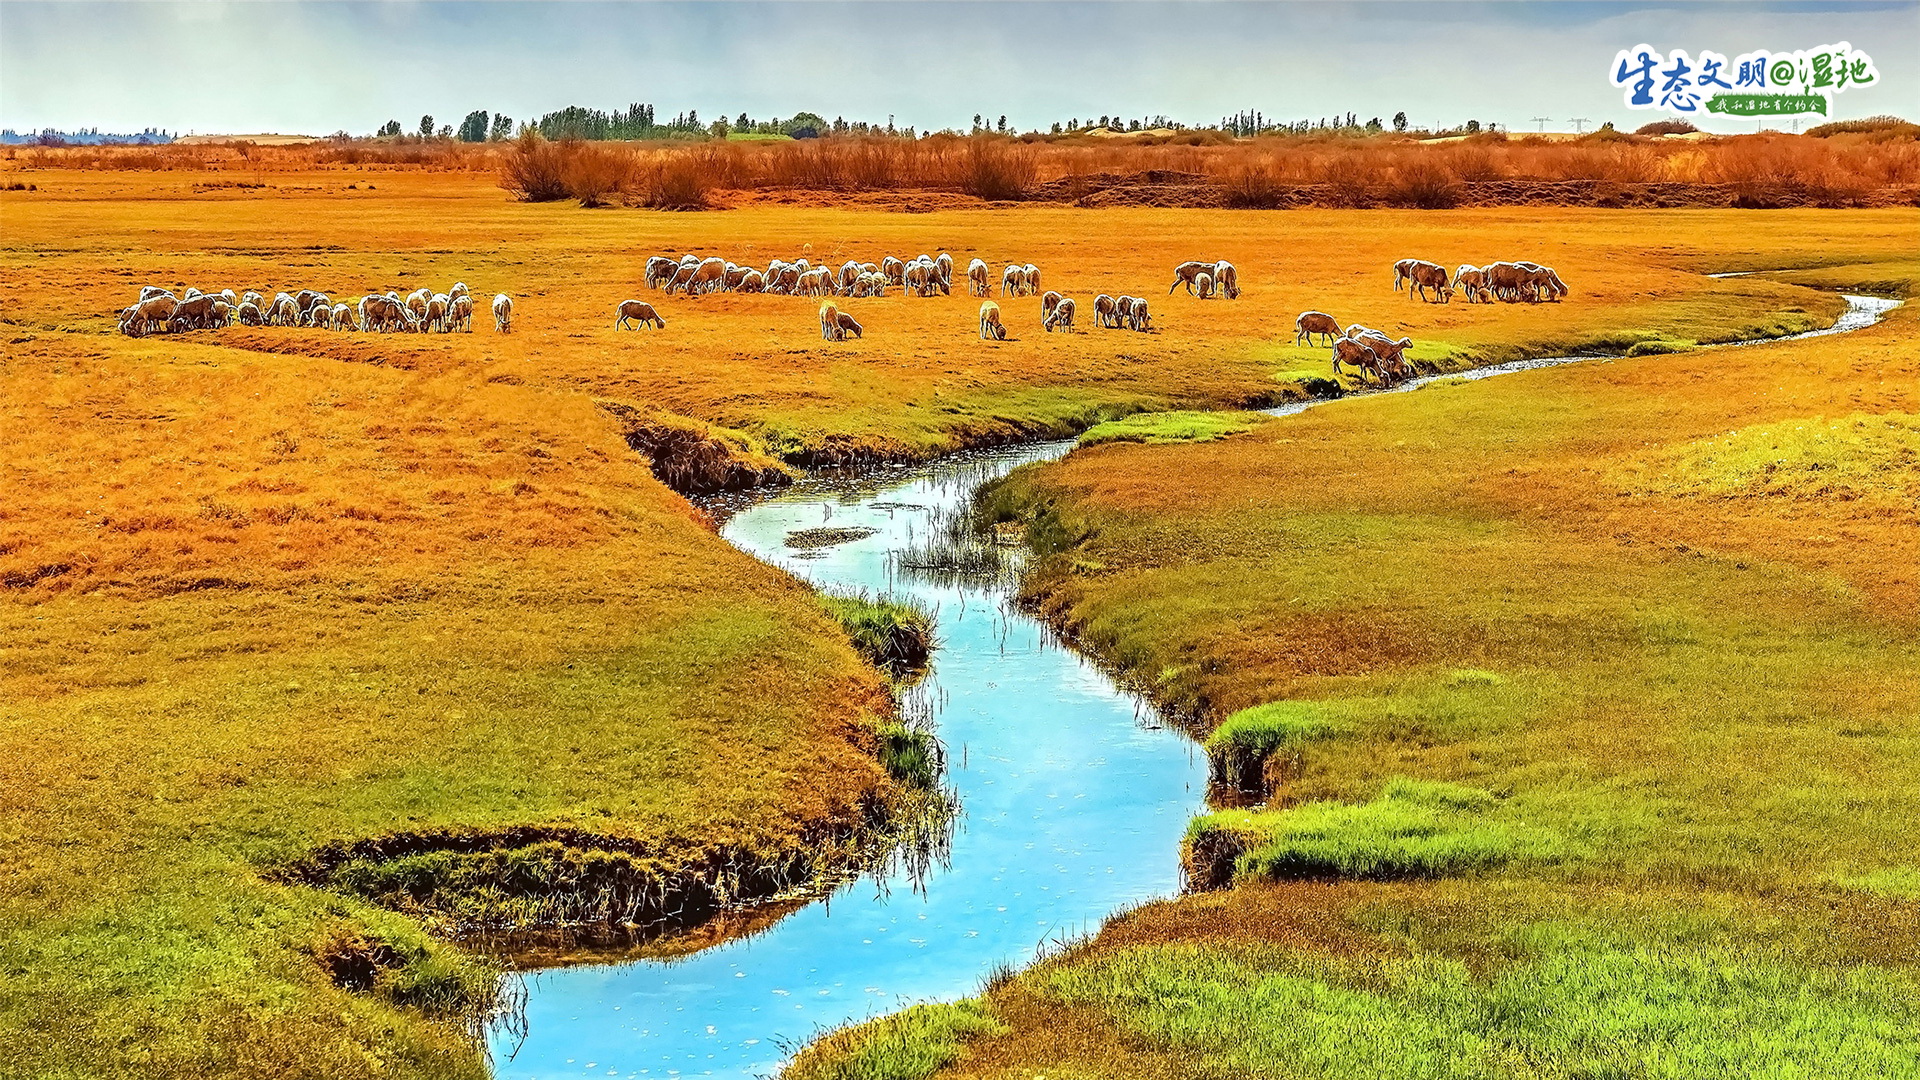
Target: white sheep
{"type": "Point", "coordinates": [991, 328]}
{"type": "Point", "coordinates": [979, 283]}
{"type": "Point", "coordinates": [1061, 316]}
{"type": "Point", "coordinates": [503, 313]}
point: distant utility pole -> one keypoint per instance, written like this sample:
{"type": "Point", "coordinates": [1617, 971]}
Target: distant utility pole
{"type": "Point", "coordinates": [1579, 124]}
{"type": "Point", "coordinates": [1542, 121]}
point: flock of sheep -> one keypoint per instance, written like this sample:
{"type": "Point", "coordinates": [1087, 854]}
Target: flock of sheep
{"type": "Point", "coordinates": [1368, 351]}
{"type": "Point", "coordinates": [423, 311]}
{"type": "Point", "coordinates": [1514, 282]}
{"type": "Point", "coordinates": [1383, 359]}
{"type": "Point", "coordinates": [923, 275]}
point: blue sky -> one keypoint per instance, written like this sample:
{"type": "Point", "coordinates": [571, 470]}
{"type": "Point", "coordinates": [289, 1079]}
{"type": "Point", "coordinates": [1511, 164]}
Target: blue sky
{"type": "Point", "coordinates": [313, 67]}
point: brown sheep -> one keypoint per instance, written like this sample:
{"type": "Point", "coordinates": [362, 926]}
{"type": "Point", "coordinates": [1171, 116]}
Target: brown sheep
{"type": "Point", "coordinates": [830, 321]}
{"type": "Point", "coordinates": [1139, 319]}
{"type": "Point", "coordinates": [849, 326]}
{"type": "Point", "coordinates": [1226, 279]}
{"type": "Point", "coordinates": [1313, 324]}
{"type": "Point", "coordinates": [1203, 286]}
{"type": "Point", "coordinates": [1106, 312]}
{"type": "Point", "coordinates": [637, 311]}
{"type": "Point", "coordinates": [1061, 316]}
{"type": "Point", "coordinates": [979, 283]}
{"type": "Point", "coordinates": [1424, 275]}
{"type": "Point", "coordinates": [1048, 301]}
{"type": "Point", "coordinates": [1186, 272]}
{"type": "Point", "coordinates": [1473, 281]}
{"type": "Point", "coordinates": [1356, 354]}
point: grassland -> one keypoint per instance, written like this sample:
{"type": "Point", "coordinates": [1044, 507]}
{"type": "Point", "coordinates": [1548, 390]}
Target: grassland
{"type": "Point", "coordinates": [1599, 694]}
{"type": "Point", "coordinates": [272, 590]}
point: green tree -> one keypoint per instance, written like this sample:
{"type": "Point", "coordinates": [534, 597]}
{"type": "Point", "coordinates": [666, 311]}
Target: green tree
{"type": "Point", "coordinates": [426, 125]}
{"type": "Point", "coordinates": [1473, 127]}
{"type": "Point", "coordinates": [1003, 125]}
{"type": "Point", "coordinates": [502, 128]}
{"type": "Point", "coordinates": [389, 129]}
{"type": "Point", "coordinates": [1400, 121]}
{"type": "Point", "coordinates": [1373, 125]}
{"type": "Point", "coordinates": [474, 127]}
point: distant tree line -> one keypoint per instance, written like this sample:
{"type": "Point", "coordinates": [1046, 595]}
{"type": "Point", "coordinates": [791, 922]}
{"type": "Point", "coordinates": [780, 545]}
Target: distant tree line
{"type": "Point", "coordinates": [84, 137]}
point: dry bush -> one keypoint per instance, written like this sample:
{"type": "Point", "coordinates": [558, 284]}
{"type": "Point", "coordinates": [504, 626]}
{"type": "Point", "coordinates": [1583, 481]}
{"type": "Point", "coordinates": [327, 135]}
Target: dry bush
{"type": "Point", "coordinates": [1665, 127]}
{"type": "Point", "coordinates": [1422, 185]}
{"type": "Point", "coordinates": [1253, 188]}
{"type": "Point", "coordinates": [1348, 183]}
{"type": "Point", "coordinates": [535, 169]}
{"type": "Point", "coordinates": [679, 180]}
{"type": "Point", "coordinates": [998, 170]}
{"type": "Point", "coordinates": [593, 172]}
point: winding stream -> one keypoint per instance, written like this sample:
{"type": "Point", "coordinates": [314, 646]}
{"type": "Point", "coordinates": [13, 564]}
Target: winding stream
{"type": "Point", "coordinates": [1073, 796]}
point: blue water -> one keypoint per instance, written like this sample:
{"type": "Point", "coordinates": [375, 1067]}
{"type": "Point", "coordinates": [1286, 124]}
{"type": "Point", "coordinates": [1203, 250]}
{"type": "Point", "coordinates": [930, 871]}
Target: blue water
{"type": "Point", "coordinates": [1073, 803]}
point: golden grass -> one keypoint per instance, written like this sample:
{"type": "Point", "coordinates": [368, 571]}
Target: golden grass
{"type": "Point", "coordinates": [270, 589]}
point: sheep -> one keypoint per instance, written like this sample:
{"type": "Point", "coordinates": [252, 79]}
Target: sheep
{"type": "Point", "coordinates": [1013, 280]}
{"type": "Point", "coordinates": [1203, 286]}
{"type": "Point", "coordinates": [316, 301]}
{"type": "Point", "coordinates": [1542, 280]}
{"type": "Point", "coordinates": [1314, 323]}
{"type": "Point", "coordinates": [869, 268]}
{"type": "Point", "coordinates": [155, 311]}
{"type": "Point", "coordinates": [1061, 316]}
{"type": "Point", "coordinates": [849, 274]}
{"type": "Point", "coordinates": [660, 271]}
{"type": "Point", "coordinates": [193, 313]}
{"type": "Point", "coordinates": [870, 284]}
{"type": "Point", "coordinates": [894, 269]}
{"type": "Point", "coordinates": [341, 317]}
{"type": "Point", "coordinates": [459, 290]}
{"type": "Point", "coordinates": [503, 313]}
{"type": "Point", "coordinates": [1423, 275]}
{"type": "Point", "coordinates": [460, 313]}
{"type": "Point", "coordinates": [830, 321]}
{"type": "Point", "coordinates": [682, 278]}
{"type": "Point", "coordinates": [148, 292]}
{"type": "Point", "coordinates": [1473, 281]}
{"type": "Point", "coordinates": [919, 278]}
{"type": "Point", "coordinates": [1226, 279]}
{"type": "Point", "coordinates": [437, 308]}
{"type": "Point", "coordinates": [943, 265]}
{"type": "Point", "coordinates": [1048, 301]}
{"type": "Point", "coordinates": [250, 297]}
{"type": "Point", "coordinates": [1390, 351]}
{"type": "Point", "coordinates": [227, 295]}
{"type": "Point", "coordinates": [978, 281]}
{"type": "Point", "coordinates": [848, 326]}
{"type": "Point", "coordinates": [1356, 354]}
{"type": "Point", "coordinates": [1186, 272]}
{"type": "Point", "coordinates": [250, 314]}
{"type": "Point", "coordinates": [637, 311]}
{"type": "Point", "coordinates": [752, 282]}
{"type": "Point", "coordinates": [1505, 280]}
{"type": "Point", "coordinates": [417, 302]}
{"type": "Point", "coordinates": [991, 328]}
{"type": "Point", "coordinates": [708, 276]}
{"type": "Point", "coordinates": [1140, 320]}
{"type": "Point", "coordinates": [1105, 311]}
{"type": "Point", "coordinates": [735, 274]}
{"type": "Point", "coordinates": [816, 282]}
{"type": "Point", "coordinates": [785, 281]}
{"type": "Point", "coordinates": [1402, 271]}
{"type": "Point", "coordinates": [1032, 273]}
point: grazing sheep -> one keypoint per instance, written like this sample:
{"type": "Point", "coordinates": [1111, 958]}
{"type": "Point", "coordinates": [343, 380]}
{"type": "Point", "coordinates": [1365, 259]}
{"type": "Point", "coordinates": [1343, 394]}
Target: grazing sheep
{"type": "Point", "coordinates": [1140, 320]}
{"type": "Point", "coordinates": [417, 302]}
{"type": "Point", "coordinates": [660, 271]}
{"type": "Point", "coordinates": [919, 278]}
{"type": "Point", "coordinates": [1473, 281]}
{"type": "Point", "coordinates": [786, 281]}
{"type": "Point", "coordinates": [1314, 323]}
{"type": "Point", "coordinates": [250, 314]}
{"type": "Point", "coordinates": [437, 307]}
{"type": "Point", "coordinates": [1506, 280]}
{"type": "Point", "coordinates": [341, 317]}
{"type": "Point", "coordinates": [816, 282]}
{"type": "Point", "coordinates": [991, 328]}
{"type": "Point", "coordinates": [1061, 316]}
{"type": "Point", "coordinates": [979, 283]}
{"type": "Point", "coordinates": [1541, 280]}
{"type": "Point", "coordinates": [752, 282]}
{"type": "Point", "coordinates": [734, 276]}
{"type": "Point", "coordinates": [460, 313]}
{"type": "Point", "coordinates": [1105, 311]}
{"type": "Point", "coordinates": [503, 313]}
{"type": "Point", "coordinates": [459, 290]}
{"type": "Point", "coordinates": [830, 321]}
{"type": "Point", "coordinates": [1357, 354]}
{"type": "Point", "coordinates": [1013, 281]}
{"type": "Point", "coordinates": [637, 311]}
{"type": "Point", "coordinates": [1226, 279]}
{"type": "Point", "coordinates": [155, 311]}
{"type": "Point", "coordinates": [1186, 272]}
{"type": "Point", "coordinates": [849, 274]}
{"type": "Point", "coordinates": [894, 269]}
{"type": "Point", "coordinates": [1048, 301]}
{"type": "Point", "coordinates": [1402, 271]}
{"type": "Point", "coordinates": [1390, 351]}
{"type": "Point", "coordinates": [682, 278]}
{"type": "Point", "coordinates": [1032, 273]}
{"type": "Point", "coordinates": [1423, 275]}
{"type": "Point", "coordinates": [848, 326]}
{"type": "Point", "coordinates": [248, 297]}
{"type": "Point", "coordinates": [943, 265]}
{"type": "Point", "coordinates": [708, 276]}
{"type": "Point", "coordinates": [1203, 286]}
{"type": "Point", "coordinates": [227, 295]}
{"type": "Point", "coordinates": [193, 313]}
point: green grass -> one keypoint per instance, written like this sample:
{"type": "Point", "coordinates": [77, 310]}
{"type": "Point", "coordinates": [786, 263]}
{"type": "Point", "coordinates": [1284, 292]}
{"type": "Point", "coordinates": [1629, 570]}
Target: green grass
{"type": "Point", "coordinates": [1414, 828]}
{"type": "Point", "coordinates": [1893, 882]}
{"type": "Point", "coordinates": [1238, 750]}
{"type": "Point", "coordinates": [1857, 456]}
{"type": "Point", "coordinates": [1567, 1007]}
{"type": "Point", "coordinates": [1171, 427]}
{"type": "Point", "coordinates": [893, 632]}
{"type": "Point", "coordinates": [907, 1045]}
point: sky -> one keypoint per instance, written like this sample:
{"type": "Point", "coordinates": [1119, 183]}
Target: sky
{"type": "Point", "coordinates": [316, 67]}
